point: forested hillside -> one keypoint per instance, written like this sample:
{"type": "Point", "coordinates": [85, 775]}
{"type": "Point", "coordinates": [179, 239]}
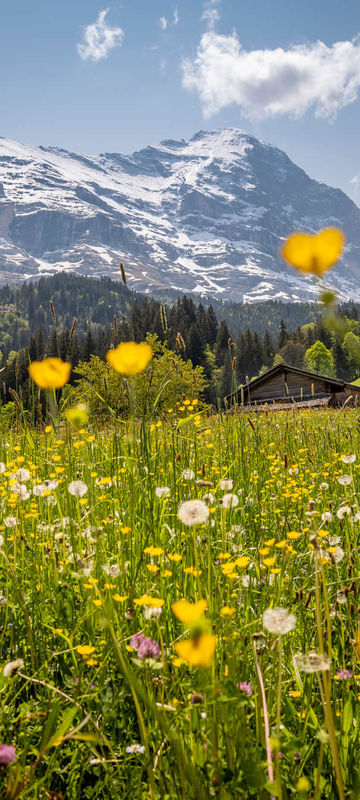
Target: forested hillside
{"type": "Point", "coordinates": [78, 318]}
{"type": "Point", "coordinates": [24, 310]}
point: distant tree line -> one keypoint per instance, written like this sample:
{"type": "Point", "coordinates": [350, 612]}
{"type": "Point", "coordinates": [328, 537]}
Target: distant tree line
{"type": "Point", "coordinates": [87, 317]}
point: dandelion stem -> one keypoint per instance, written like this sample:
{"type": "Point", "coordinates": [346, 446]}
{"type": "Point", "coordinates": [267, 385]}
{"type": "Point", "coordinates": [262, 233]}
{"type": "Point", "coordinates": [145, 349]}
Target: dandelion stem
{"type": "Point", "coordinates": [270, 765]}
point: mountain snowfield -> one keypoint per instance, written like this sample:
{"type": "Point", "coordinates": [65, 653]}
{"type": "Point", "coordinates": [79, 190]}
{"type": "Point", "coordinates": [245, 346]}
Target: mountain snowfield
{"type": "Point", "coordinates": [205, 216]}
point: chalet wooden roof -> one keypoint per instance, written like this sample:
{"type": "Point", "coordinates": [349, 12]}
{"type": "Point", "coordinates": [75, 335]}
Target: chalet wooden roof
{"type": "Point", "coordinates": [335, 384]}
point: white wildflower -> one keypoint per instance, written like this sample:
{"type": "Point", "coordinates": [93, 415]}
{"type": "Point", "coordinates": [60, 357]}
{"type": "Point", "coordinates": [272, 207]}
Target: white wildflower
{"type": "Point", "coordinates": [343, 511]}
{"type": "Point", "coordinates": [294, 471]}
{"type": "Point", "coordinates": [21, 491]}
{"type": "Point", "coordinates": [162, 491]}
{"type": "Point", "coordinates": [349, 459]}
{"type": "Point", "coordinates": [313, 662]}
{"type": "Point", "coordinates": [326, 516]}
{"type": "Point", "coordinates": [193, 512]}
{"type": "Point", "coordinates": [279, 621]}
{"type": "Point", "coordinates": [229, 501]}
{"type": "Point", "coordinates": [226, 485]}
{"type": "Point", "coordinates": [22, 475]}
{"type": "Point", "coordinates": [10, 522]}
{"type": "Point", "coordinates": [188, 475]}
{"type": "Point", "coordinates": [345, 480]}
{"type": "Point", "coordinates": [39, 490]}
{"type": "Point", "coordinates": [135, 748]}
{"type": "Point", "coordinates": [12, 668]}
{"type": "Point", "coordinates": [324, 486]}
{"type": "Point", "coordinates": [338, 555]}
{"type": "Point", "coordinates": [2, 467]}
{"type": "Point", "coordinates": [341, 597]}
{"type": "Point", "coordinates": [77, 488]}
{"type": "Point", "coordinates": [152, 611]}
{"type": "Point", "coordinates": [112, 570]}
{"type": "Point", "coordinates": [209, 498]}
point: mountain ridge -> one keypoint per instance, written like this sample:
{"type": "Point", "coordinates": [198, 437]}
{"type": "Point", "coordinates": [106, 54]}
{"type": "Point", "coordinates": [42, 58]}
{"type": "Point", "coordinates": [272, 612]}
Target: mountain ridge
{"type": "Point", "coordinates": [205, 216]}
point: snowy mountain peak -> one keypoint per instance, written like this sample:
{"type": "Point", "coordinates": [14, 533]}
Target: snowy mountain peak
{"type": "Point", "coordinates": [206, 215]}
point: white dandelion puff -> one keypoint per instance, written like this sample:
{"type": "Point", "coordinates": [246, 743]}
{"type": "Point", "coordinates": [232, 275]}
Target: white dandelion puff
{"type": "Point", "coordinates": [349, 459]}
{"type": "Point", "coordinates": [229, 501]}
{"type": "Point", "coordinates": [345, 480]}
{"type": "Point", "coordinates": [21, 491]}
{"type": "Point", "coordinates": [13, 667]}
{"type": "Point", "coordinates": [312, 662]}
{"type": "Point", "coordinates": [77, 488]}
{"type": "Point", "coordinates": [226, 485]}
{"type": "Point", "coordinates": [188, 475]}
{"type": "Point", "coordinates": [10, 522]}
{"type": "Point", "coordinates": [162, 491]}
{"type": "Point", "coordinates": [193, 512]}
{"type": "Point", "coordinates": [209, 498]}
{"type": "Point", "coordinates": [279, 621]}
{"type": "Point", "coordinates": [22, 475]}
{"type": "Point", "coordinates": [343, 511]}
{"type": "Point", "coordinates": [326, 516]}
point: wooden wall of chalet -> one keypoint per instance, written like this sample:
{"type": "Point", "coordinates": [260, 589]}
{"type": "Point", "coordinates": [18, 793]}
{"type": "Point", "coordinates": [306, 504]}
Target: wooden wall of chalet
{"type": "Point", "coordinates": [297, 385]}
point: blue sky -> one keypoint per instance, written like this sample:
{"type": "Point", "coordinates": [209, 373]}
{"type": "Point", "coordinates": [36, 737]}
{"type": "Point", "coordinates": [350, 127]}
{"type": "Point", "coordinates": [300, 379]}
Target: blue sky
{"type": "Point", "coordinates": [156, 69]}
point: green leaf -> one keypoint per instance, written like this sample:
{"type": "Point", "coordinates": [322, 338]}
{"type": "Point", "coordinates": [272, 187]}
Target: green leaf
{"type": "Point", "coordinates": [347, 716]}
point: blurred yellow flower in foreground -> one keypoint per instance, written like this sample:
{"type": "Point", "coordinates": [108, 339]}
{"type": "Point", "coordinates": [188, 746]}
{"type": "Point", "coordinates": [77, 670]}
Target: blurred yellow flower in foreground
{"type": "Point", "coordinates": [78, 416]}
{"type": "Point", "coordinates": [51, 373]}
{"type": "Point", "coordinates": [129, 358]}
{"type": "Point", "coordinates": [314, 253]}
{"type": "Point", "coordinates": [189, 612]}
{"type": "Point", "coordinates": [197, 651]}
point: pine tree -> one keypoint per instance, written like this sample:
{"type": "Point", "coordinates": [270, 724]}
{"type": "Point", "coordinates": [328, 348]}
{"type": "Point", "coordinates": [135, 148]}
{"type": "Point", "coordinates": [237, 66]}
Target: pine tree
{"type": "Point", "coordinates": [283, 335]}
{"type": "Point", "coordinates": [222, 343]}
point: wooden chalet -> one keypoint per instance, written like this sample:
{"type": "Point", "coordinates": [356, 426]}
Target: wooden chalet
{"type": "Point", "coordinates": [284, 387]}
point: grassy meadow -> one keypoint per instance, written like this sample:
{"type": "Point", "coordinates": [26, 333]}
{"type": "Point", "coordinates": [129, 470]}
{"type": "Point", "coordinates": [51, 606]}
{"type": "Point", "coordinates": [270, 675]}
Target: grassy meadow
{"type": "Point", "coordinates": [109, 687]}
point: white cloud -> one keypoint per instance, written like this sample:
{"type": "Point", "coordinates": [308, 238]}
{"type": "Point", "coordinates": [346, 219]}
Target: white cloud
{"type": "Point", "coordinates": [163, 23]}
{"type": "Point", "coordinates": [211, 13]}
{"type": "Point", "coordinates": [176, 18]}
{"type": "Point", "coordinates": [99, 39]}
{"type": "Point", "coordinates": [266, 83]}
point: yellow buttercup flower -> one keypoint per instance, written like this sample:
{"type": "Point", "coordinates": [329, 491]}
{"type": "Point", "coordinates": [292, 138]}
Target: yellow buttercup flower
{"type": "Point", "coordinates": [189, 612]}
{"type": "Point", "coordinates": [51, 373]}
{"type": "Point", "coordinates": [85, 649]}
{"type": "Point", "coordinates": [147, 600]}
{"type": "Point", "coordinates": [130, 358]}
{"type": "Point", "coordinates": [198, 651]}
{"type": "Point", "coordinates": [78, 416]}
{"type": "Point", "coordinates": [227, 613]}
{"type": "Point", "coordinates": [314, 253]}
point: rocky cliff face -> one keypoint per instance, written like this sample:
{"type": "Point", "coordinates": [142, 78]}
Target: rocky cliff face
{"type": "Point", "coordinates": [206, 216]}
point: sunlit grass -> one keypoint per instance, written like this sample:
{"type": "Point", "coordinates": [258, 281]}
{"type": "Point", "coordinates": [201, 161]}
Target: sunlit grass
{"type": "Point", "coordinates": [94, 712]}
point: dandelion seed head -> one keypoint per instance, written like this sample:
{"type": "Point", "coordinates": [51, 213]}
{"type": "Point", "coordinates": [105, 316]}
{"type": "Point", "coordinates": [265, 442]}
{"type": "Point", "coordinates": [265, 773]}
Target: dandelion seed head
{"type": "Point", "coordinates": [12, 667]}
{"type": "Point", "coordinates": [77, 488]}
{"type": "Point", "coordinates": [345, 480]}
{"type": "Point", "coordinates": [162, 491]}
{"type": "Point", "coordinates": [279, 621]}
{"type": "Point", "coordinates": [193, 512]}
{"type": "Point", "coordinates": [226, 485]}
{"type": "Point", "coordinates": [229, 501]}
{"type": "Point", "coordinates": [312, 662]}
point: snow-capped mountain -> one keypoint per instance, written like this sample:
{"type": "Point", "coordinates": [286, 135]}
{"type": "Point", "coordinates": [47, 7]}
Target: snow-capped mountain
{"type": "Point", "coordinates": [206, 216]}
